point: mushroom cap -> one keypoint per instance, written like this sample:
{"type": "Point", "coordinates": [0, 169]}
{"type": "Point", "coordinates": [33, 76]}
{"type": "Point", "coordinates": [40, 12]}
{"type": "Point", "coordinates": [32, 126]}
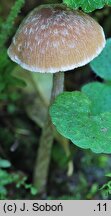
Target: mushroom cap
{"type": "Point", "coordinates": [54, 38]}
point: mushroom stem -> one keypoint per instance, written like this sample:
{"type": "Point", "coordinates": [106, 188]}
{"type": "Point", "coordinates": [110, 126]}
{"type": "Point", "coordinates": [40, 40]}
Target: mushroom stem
{"type": "Point", "coordinates": [46, 141]}
{"type": "Point", "coordinates": [58, 85]}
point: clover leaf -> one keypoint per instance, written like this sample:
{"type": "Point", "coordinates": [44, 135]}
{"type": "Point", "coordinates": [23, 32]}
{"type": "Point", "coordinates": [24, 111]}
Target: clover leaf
{"type": "Point", "coordinates": [4, 163]}
{"type": "Point", "coordinates": [100, 96]}
{"type": "Point", "coordinates": [87, 5]}
{"type": "Point", "coordinates": [102, 64]}
{"type": "Point", "coordinates": [73, 117]}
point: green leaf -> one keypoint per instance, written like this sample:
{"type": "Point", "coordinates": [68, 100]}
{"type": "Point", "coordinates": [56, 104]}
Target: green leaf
{"type": "Point", "coordinates": [7, 27]}
{"type": "Point", "coordinates": [100, 96]}
{"type": "Point", "coordinates": [5, 63]}
{"type": "Point", "coordinates": [87, 5]}
{"type": "Point", "coordinates": [21, 182]}
{"type": "Point", "coordinates": [102, 64]}
{"type": "Point", "coordinates": [5, 178]}
{"type": "Point", "coordinates": [108, 175]}
{"type": "Point", "coordinates": [33, 190]}
{"type": "Point", "coordinates": [72, 115]}
{"type": "Point", "coordinates": [4, 163]}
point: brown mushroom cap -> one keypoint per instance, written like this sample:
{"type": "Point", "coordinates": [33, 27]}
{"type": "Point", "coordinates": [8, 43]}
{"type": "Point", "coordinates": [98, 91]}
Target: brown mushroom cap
{"type": "Point", "coordinates": [54, 38]}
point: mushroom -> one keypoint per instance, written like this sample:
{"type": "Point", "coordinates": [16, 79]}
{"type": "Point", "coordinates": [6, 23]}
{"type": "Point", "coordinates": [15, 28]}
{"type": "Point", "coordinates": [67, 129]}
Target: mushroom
{"type": "Point", "coordinates": [53, 39]}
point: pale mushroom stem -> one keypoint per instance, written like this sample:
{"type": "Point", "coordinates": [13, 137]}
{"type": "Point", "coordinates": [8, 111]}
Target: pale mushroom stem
{"type": "Point", "coordinates": [46, 140]}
